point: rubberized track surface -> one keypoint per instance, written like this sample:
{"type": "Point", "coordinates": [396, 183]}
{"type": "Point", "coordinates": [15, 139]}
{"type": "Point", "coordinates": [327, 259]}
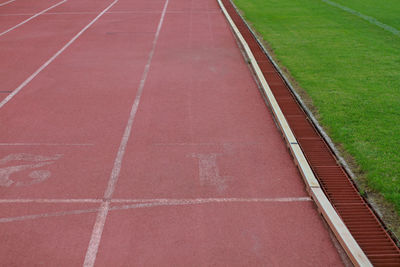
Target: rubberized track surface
{"type": "Point", "coordinates": [133, 133]}
{"type": "Point", "coordinates": [353, 209]}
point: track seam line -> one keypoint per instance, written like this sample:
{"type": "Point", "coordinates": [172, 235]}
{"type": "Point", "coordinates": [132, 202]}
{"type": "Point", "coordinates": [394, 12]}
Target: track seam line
{"type": "Point", "coordinates": [31, 18]}
{"type": "Point", "coordinates": [5, 3]}
{"type": "Point", "coordinates": [95, 239]}
{"type": "Point", "coordinates": [30, 78]}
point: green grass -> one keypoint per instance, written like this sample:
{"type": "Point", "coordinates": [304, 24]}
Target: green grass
{"type": "Point", "coordinates": [384, 11]}
{"type": "Point", "coordinates": [351, 70]}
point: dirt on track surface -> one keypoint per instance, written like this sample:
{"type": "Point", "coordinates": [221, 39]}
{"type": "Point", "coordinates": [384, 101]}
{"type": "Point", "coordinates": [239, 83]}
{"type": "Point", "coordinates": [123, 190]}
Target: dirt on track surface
{"type": "Point", "coordinates": [144, 142]}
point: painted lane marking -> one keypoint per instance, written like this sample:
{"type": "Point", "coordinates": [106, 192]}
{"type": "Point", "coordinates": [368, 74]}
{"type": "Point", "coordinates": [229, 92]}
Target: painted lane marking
{"type": "Point", "coordinates": [149, 203]}
{"type": "Point", "coordinates": [5, 3]}
{"type": "Point", "coordinates": [30, 78]}
{"type": "Point", "coordinates": [98, 227]}
{"type": "Point", "coordinates": [184, 202]}
{"type": "Point", "coordinates": [31, 18]}
{"type": "Point", "coordinates": [82, 13]}
{"type": "Point", "coordinates": [209, 171]}
{"type": "Point", "coordinates": [36, 176]}
{"type": "Point", "coordinates": [210, 200]}
{"type": "Point", "coordinates": [46, 215]}
{"type": "Point", "coordinates": [208, 144]}
{"type": "Point", "coordinates": [161, 200]}
{"type": "Point", "coordinates": [190, 201]}
{"type": "Point", "coordinates": [43, 144]}
{"type": "Point", "coordinates": [113, 12]}
{"type": "Point", "coordinates": [49, 200]}
{"type": "Point", "coordinates": [365, 17]}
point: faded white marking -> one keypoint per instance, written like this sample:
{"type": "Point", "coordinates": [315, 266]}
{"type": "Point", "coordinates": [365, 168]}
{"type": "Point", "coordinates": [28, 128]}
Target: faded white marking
{"type": "Point", "coordinates": [36, 176]}
{"type": "Point", "coordinates": [365, 17]}
{"type": "Point", "coordinates": [112, 12]}
{"type": "Point", "coordinates": [43, 144]}
{"type": "Point", "coordinates": [31, 18]}
{"type": "Point", "coordinates": [95, 239]}
{"type": "Point", "coordinates": [121, 200]}
{"type": "Point", "coordinates": [97, 232]}
{"type": "Point", "coordinates": [172, 202]}
{"type": "Point", "coordinates": [46, 215]}
{"type": "Point", "coordinates": [28, 157]}
{"type": "Point", "coordinates": [47, 200]}
{"type": "Point", "coordinates": [207, 144]}
{"type": "Point", "coordinates": [209, 172]}
{"type": "Point", "coordinates": [30, 78]}
{"type": "Point", "coordinates": [143, 203]}
{"type": "Point", "coordinates": [5, 3]}
{"type": "Point", "coordinates": [85, 13]}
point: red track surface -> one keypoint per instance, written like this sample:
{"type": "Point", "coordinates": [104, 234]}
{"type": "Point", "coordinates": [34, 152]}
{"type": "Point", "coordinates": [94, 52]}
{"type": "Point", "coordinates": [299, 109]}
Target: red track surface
{"type": "Point", "coordinates": [205, 177]}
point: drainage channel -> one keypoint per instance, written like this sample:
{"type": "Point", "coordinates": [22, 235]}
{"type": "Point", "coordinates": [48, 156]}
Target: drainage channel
{"type": "Point", "coordinates": [361, 221]}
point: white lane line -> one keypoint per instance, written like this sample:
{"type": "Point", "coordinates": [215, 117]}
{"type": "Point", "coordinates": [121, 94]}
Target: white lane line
{"type": "Point", "coordinates": [49, 200]}
{"type": "Point", "coordinates": [43, 144]}
{"type": "Point", "coordinates": [31, 18]}
{"type": "Point", "coordinates": [154, 200]}
{"type": "Point", "coordinates": [365, 17]}
{"type": "Point", "coordinates": [5, 3]}
{"type": "Point", "coordinates": [91, 252]}
{"type": "Point", "coordinates": [184, 202]}
{"type": "Point", "coordinates": [113, 12]}
{"type": "Point", "coordinates": [30, 78]}
{"type": "Point", "coordinates": [207, 144]}
{"type": "Point", "coordinates": [188, 201]}
{"type": "Point", "coordinates": [139, 203]}
{"type": "Point", "coordinates": [121, 151]}
{"type": "Point", "coordinates": [82, 13]}
{"type": "Point", "coordinates": [46, 215]}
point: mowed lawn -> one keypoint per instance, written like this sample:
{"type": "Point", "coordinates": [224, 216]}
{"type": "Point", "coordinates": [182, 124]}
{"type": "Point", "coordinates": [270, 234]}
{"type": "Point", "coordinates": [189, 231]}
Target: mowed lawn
{"type": "Point", "coordinates": [350, 68]}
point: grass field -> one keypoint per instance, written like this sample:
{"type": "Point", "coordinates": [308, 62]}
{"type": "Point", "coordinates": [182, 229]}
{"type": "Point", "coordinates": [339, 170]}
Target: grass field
{"type": "Point", "coordinates": [350, 67]}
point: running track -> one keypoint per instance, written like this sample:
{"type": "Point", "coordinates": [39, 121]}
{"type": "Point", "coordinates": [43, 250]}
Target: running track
{"type": "Point", "coordinates": [133, 134]}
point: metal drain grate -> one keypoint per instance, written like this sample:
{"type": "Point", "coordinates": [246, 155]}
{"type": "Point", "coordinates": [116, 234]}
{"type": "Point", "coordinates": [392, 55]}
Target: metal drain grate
{"type": "Point", "coordinates": [354, 211]}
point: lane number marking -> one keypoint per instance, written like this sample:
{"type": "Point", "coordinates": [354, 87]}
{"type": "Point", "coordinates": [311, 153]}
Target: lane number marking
{"type": "Point", "coordinates": [209, 171]}
{"type": "Point", "coordinates": [34, 162]}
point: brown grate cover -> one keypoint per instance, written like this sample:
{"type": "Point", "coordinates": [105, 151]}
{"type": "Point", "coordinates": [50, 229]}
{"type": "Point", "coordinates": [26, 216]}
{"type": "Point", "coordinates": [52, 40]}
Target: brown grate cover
{"type": "Point", "coordinates": [354, 211]}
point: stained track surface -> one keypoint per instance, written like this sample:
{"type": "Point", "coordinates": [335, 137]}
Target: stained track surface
{"type": "Point", "coordinates": [144, 142]}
